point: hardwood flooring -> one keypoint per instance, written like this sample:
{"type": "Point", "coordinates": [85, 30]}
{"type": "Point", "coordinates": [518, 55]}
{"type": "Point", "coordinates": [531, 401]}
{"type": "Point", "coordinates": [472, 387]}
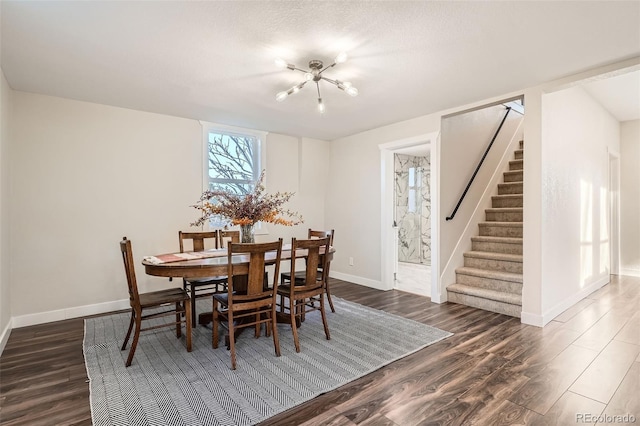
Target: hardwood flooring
{"type": "Point", "coordinates": [493, 371]}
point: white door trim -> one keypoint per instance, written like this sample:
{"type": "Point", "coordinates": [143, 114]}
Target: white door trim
{"type": "Point", "coordinates": [386, 208]}
{"type": "Point", "coordinates": [614, 213]}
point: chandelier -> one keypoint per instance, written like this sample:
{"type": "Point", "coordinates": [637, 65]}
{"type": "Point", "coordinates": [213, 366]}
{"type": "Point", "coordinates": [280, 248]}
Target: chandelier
{"type": "Point", "coordinates": [314, 73]}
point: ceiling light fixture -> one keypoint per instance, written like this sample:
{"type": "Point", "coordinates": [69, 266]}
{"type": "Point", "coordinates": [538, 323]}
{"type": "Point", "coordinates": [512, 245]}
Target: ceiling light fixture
{"type": "Point", "coordinates": [315, 74]}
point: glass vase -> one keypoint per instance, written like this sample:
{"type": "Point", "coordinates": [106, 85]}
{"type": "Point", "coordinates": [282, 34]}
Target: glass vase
{"type": "Point", "coordinates": [246, 234]}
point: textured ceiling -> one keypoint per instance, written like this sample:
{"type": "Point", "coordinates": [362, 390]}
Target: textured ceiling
{"type": "Point", "coordinates": [214, 60]}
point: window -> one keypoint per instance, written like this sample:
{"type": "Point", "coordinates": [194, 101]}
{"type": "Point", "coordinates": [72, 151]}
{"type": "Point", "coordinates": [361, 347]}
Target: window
{"type": "Point", "coordinates": [233, 159]}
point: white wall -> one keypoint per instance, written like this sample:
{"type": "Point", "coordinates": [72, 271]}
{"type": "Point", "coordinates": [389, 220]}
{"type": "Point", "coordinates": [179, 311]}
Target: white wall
{"type": "Point", "coordinates": [353, 198]}
{"type": "Point", "coordinates": [577, 135]}
{"type": "Point", "coordinates": [86, 175]}
{"type": "Point", "coordinates": [5, 293]}
{"type": "Point", "coordinates": [464, 139]}
{"type": "Point", "coordinates": [630, 198]}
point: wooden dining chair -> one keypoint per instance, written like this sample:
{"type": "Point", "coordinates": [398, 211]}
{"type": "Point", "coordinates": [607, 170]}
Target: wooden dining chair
{"type": "Point", "coordinates": [249, 300]}
{"type": "Point", "coordinates": [201, 287]}
{"type": "Point", "coordinates": [226, 236]}
{"type": "Point", "coordinates": [305, 292]}
{"type": "Point", "coordinates": [173, 301]}
{"type": "Point", "coordinates": [300, 275]}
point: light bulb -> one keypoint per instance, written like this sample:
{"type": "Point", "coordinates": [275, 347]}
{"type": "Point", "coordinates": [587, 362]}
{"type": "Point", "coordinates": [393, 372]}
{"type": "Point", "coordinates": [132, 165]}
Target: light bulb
{"type": "Point", "coordinates": [352, 91]}
{"type": "Point", "coordinates": [308, 76]}
{"type": "Point", "coordinates": [281, 63]}
{"type": "Point", "coordinates": [281, 96]}
{"type": "Point", "coordinates": [320, 106]}
{"type": "Point", "coordinates": [342, 57]}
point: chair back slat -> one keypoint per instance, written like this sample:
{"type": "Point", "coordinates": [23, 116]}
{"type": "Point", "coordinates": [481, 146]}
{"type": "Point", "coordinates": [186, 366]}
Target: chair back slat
{"type": "Point", "coordinates": [200, 241]}
{"type": "Point", "coordinates": [313, 249]}
{"type": "Point", "coordinates": [226, 236]}
{"type": "Point", "coordinates": [129, 269]}
{"type": "Point", "coordinates": [321, 234]}
{"type": "Point", "coordinates": [256, 285]}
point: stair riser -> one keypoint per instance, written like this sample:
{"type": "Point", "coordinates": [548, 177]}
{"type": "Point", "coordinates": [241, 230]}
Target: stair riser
{"type": "Point", "coordinates": [493, 264]}
{"type": "Point", "coordinates": [511, 188]}
{"type": "Point", "coordinates": [501, 231]}
{"type": "Point", "coordinates": [521, 144]}
{"type": "Point", "coordinates": [516, 176]}
{"type": "Point", "coordinates": [487, 305]}
{"type": "Point", "coordinates": [496, 247]}
{"type": "Point", "coordinates": [519, 155]}
{"type": "Point", "coordinates": [503, 216]}
{"type": "Point", "coordinates": [516, 165]}
{"type": "Point", "coordinates": [499, 202]}
{"type": "Point", "coordinates": [489, 283]}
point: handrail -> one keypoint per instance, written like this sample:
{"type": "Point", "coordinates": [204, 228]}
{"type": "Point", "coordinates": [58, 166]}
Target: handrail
{"type": "Point", "coordinates": [478, 167]}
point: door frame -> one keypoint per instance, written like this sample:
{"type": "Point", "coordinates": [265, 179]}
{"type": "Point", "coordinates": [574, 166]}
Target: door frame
{"type": "Point", "coordinates": [614, 213]}
{"type": "Point", "coordinates": [388, 245]}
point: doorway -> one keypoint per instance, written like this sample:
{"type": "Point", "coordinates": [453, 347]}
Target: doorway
{"type": "Point", "coordinates": [409, 269]}
{"type": "Point", "coordinates": [412, 218]}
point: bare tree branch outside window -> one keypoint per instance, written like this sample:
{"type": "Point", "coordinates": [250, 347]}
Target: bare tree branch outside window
{"type": "Point", "coordinates": [233, 164]}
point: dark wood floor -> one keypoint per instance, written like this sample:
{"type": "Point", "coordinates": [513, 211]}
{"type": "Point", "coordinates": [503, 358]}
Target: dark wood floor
{"type": "Point", "coordinates": [493, 371]}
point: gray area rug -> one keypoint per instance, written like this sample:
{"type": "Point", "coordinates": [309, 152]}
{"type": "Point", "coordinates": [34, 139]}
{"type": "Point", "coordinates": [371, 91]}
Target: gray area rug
{"type": "Point", "coordinates": [166, 385]}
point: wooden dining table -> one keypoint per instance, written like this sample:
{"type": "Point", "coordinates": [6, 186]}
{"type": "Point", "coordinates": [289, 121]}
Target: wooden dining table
{"type": "Point", "coordinates": [209, 263]}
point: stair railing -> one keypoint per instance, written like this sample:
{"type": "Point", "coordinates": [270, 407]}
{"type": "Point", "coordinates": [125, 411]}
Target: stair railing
{"type": "Point", "coordinates": [479, 165]}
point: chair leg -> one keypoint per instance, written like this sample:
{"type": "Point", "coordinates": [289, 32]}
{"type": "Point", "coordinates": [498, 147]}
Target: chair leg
{"type": "Point", "coordinates": [189, 324]}
{"type": "Point", "coordinates": [232, 340]}
{"type": "Point", "coordinates": [178, 320]}
{"type": "Point", "coordinates": [193, 310]}
{"type": "Point", "coordinates": [216, 337]}
{"type": "Point", "coordinates": [136, 336]}
{"type": "Point", "coordinates": [324, 318]}
{"type": "Point", "coordinates": [258, 326]}
{"type": "Point", "coordinates": [294, 328]}
{"type": "Point", "coordinates": [126, 339]}
{"type": "Point", "coordinates": [274, 330]}
{"type": "Point", "coordinates": [326, 289]}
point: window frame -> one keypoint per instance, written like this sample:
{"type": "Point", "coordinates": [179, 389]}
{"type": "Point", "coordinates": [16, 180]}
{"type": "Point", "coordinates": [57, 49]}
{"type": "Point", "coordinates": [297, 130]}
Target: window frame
{"type": "Point", "coordinates": [259, 156]}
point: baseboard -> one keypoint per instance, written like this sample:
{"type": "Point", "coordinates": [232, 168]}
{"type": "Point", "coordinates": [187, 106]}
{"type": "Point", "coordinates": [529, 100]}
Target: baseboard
{"type": "Point", "coordinates": [74, 312]}
{"type": "Point", "coordinates": [542, 320]}
{"type": "Point", "coordinates": [358, 280]}
{"type": "Point", "coordinates": [570, 301]}
{"type": "Point", "coordinates": [5, 335]}
{"type": "Point", "coordinates": [630, 272]}
{"type": "Point", "coordinates": [531, 319]}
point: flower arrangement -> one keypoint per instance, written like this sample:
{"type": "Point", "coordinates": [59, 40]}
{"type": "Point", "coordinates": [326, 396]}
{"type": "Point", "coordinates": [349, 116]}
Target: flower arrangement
{"type": "Point", "coordinates": [247, 209]}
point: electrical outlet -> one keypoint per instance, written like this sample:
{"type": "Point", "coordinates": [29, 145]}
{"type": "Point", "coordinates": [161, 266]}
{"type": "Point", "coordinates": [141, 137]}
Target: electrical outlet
{"type": "Point", "coordinates": [351, 261]}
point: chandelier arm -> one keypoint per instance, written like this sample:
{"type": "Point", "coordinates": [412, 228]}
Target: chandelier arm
{"type": "Point", "coordinates": [327, 67]}
{"type": "Point", "coordinates": [299, 69]}
{"type": "Point", "coordinates": [329, 80]}
{"type": "Point", "coordinates": [318, 87]}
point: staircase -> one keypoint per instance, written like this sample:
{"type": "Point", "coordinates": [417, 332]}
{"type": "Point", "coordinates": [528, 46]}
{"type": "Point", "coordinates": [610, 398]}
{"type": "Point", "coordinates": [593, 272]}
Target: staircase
{"type": "Point", "coordinates": [491, 278]}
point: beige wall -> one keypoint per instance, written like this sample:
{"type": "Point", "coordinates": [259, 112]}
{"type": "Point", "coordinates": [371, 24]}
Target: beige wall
{"type": "Point", "coordinates": [577, 135]}
{"type": "Point", "coordinates": [464, 139]}
{"type": "Point", "coordinates": [630, 198]}
{"type": "Point", "coordinates": [5, 293]}
{"type": "Point", "coordinates": [89, 174]}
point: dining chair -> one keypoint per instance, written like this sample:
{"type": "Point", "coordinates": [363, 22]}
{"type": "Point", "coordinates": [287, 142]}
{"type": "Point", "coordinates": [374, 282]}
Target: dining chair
{"type": "Point", "coordinates": [176, 298]}
{"type": "Point", "coordinates": [306, 291]}
{"type": "Point", "coordinates": [226, 236]}
{"type": "Point", "coordinates": [285, 276]}
{"type": "Point", "coordinates": [201, 287]}
{"type": "Point", "coordinates": [249, 300]}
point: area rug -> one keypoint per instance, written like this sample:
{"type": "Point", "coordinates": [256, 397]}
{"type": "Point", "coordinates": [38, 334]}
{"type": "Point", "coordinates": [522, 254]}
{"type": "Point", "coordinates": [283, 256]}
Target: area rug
{"type": "Point", "coordinates": [167, 385]}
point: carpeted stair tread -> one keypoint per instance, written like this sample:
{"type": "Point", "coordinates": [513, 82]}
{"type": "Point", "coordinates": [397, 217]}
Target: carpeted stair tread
{"type": "Point", "coordinates": [486, 273]}
{"type": "Point", "coordinates": [494, 256]}
{"type": "Point", "coordinates": [504, 210]}
{"type": "Point", "coordinates": [491, 239]}
{"type": "Point", "coordinates": [484, 293]}
{"type": "Point", "coordinates": [505, 224]}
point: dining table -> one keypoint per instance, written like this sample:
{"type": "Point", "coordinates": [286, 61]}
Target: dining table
{"type": "Point", "coordinates": [210, 263]}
